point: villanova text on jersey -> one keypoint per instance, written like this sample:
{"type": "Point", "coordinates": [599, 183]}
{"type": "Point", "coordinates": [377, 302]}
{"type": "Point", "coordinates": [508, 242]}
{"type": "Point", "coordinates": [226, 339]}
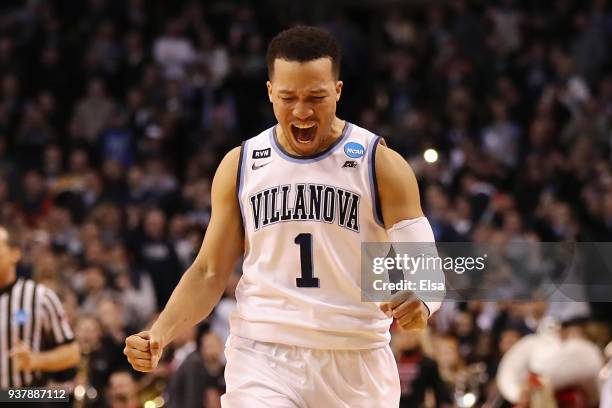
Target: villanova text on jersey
{"type": "Point", "coordinates": [310, 202]}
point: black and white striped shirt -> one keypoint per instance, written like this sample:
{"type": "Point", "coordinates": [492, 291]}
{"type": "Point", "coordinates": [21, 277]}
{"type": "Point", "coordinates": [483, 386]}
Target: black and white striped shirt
{"type": "Point", "coordinates": [31, 313]}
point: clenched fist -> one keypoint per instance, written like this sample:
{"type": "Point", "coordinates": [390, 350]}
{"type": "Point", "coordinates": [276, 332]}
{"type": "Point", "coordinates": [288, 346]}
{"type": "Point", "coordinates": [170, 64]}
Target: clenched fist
{"type": "Point", "coordinates": [409, 311]}
{"type": "Point", "coordinates": [143, 351]}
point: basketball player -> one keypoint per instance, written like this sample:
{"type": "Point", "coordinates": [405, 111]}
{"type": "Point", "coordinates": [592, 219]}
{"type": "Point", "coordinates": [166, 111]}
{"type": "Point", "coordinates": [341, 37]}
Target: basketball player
{"type": "Point", "coordinates": [298, 200]}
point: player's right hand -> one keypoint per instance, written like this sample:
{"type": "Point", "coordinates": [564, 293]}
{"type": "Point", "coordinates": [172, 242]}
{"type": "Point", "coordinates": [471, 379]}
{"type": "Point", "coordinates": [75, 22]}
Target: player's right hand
{"type": "Point", "coordinates": [408, 310]}
{"type": "Point", "coordinates": [143, 351]}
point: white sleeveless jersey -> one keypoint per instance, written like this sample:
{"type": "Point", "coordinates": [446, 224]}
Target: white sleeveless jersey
{"type": "Point", "coordinates": [304, 220]}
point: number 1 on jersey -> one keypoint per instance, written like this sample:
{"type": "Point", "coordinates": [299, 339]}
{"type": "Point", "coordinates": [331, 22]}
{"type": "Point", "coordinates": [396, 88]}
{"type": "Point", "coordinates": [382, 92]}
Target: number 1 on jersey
{"type": "Point", "coordinates": [307, 280]}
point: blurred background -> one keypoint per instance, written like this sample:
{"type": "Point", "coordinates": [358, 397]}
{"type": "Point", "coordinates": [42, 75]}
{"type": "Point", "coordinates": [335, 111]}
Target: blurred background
{"type": "Point", "coordinates": [114, 115]}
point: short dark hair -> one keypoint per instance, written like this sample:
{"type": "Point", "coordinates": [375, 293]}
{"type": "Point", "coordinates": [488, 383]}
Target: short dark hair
{"type": "Point", "coordinates": [302, 44]}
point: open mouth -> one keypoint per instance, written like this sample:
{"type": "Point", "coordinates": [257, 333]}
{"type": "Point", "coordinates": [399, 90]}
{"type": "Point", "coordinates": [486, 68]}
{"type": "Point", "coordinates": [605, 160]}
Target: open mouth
{"type": "Point", "coordinates": [303, 133]}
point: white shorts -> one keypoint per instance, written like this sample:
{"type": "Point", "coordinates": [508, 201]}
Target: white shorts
{"type": "Point", "coordinates": [270, 375]}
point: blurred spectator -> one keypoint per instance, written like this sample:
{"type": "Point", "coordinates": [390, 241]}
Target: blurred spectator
{"type": "Point", "coordinates": [116, 141]}
{"type": "Point", "coordinates": [122, 391]}
{"type": "Point", "coordinates": [157, 256]}
{"type": "Point", "coordinates": [173, 51]}
{"type": "Point", "coordinates": [111, 318]}
{"type": "Point", "coordinates": [34, 133]}
{"type": "Point", "coordinates": [92, 283]}
{"type": "Point", "coordinates": [93, 112]}
{"type": "Point", "coordinates": [466, 332]}
{"type": "Point", "coordinates": [139, 298]}
{"type": "Point", "coordinates": [419, 376]}
{"type": "Point", "coordinates": [134, 58]}
{"type": "Point", "coordinates": [157, 179]}
{"type": "Point", "coordinates": [101, 356]}
{"type": "Point", "coordinates": [34, 203]}
{"type": "Point", "coordinates": [501, 137]}
{"type": "Point", "coordinates": [183, 345]}
{"type": "Point", "coordinates": [199, 380]}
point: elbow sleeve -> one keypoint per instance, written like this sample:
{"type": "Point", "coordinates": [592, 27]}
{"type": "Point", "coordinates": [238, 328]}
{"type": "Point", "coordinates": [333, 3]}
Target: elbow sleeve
{"type": "Point", "coordinates": [415, 238]}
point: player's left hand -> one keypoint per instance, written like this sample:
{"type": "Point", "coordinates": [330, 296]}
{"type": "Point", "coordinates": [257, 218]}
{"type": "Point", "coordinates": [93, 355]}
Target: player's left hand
{"type": "Point", "coordinates": [23, 357]}
{"type": "Point", "coordinates": [409, 311]}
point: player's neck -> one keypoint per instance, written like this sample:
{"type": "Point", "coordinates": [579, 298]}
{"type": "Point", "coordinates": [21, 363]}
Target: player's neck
{"type": "Point", "coordinates": [337, 128]}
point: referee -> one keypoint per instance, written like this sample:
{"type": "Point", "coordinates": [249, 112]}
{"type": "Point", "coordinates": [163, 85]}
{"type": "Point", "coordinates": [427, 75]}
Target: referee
{"type": "Point", "coordinates": [35, 337]}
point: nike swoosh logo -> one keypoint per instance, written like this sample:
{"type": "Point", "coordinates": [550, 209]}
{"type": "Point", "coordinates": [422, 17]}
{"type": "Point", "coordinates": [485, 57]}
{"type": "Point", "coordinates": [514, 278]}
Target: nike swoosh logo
{"type": "Point", "coordinates": [256, 167]}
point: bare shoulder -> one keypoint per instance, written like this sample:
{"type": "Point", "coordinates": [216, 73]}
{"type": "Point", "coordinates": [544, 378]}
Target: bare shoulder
{"type": "Point", "coordinates": [392, 171]}
{"type": "Point", "coordinates": [397, 187]}
{"type": "Point", "coordinates": [225, 176]}
{"type": "Point", "coordinates": [389, 162]}
{"type": "Point", "coordinates": [230, 160]}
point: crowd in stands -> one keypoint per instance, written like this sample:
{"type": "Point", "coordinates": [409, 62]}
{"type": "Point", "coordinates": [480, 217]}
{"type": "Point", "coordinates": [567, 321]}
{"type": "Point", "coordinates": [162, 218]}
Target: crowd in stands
{"type": "Point", "coordinates": [114, 115]}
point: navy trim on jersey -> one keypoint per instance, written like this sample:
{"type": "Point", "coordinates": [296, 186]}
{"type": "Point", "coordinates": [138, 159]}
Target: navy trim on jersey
{"type": "Point", "coordinates": [309, 159]}
{"type": "Point", "coordinates": [378, 217]}
{"type": "Point", "coordinates": [239, 180]}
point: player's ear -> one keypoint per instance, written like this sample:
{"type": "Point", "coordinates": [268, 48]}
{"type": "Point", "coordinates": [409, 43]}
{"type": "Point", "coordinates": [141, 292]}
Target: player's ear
{"type": "Point", "coordinates": [269, 85]}
{"type": "Point", "coordinates": [338, 90]}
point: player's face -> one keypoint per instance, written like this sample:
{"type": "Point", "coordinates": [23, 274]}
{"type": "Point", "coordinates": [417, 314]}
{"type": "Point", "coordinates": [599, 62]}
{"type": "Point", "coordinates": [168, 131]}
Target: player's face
{"type": "Point", "coordinates": [304, 97]}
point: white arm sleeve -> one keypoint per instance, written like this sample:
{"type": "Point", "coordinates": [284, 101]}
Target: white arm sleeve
{"type": "Point", "coordinates": [418, 230]}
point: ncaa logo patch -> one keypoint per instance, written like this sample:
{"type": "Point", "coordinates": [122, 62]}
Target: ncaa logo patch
{"type": "Point", "coordinates": [21, 317]}
{"type": "Point", "coordinates": [354, 150]}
